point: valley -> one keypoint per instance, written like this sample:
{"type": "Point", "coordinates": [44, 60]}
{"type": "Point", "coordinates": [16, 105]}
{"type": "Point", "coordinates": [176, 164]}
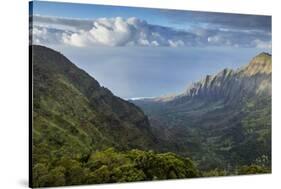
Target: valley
{"type": "Point", "coordinates": [83, 133]}
{"type": "Point", "coordinates": [222, 121]}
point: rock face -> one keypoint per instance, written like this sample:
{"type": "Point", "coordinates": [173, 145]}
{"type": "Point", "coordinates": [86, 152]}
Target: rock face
{"type": "Point", "coordinates": [77, 112]}
{"type": "Point", "coordinates": [254, 79]}
{"type": "Point", "coordinates": [260, 64]}
{"type": "Point", "coordinates": [227, 115]}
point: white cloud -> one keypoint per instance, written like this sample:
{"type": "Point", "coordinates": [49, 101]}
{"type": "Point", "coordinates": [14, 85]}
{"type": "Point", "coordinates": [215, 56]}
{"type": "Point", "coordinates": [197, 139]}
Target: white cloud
{"type": "Point", "coordinates": [178, 43]}
{"type": "Point", "coordinates": [262, 44]}
{"type": "Point", "coordinates": [112, 32]}
{"type": "Point", "coordinates": [120, 32]}
{"type": "Point", "coordinates": [39, 34]}
{"type": "Point", "coordinates": [219, 40]}
{"type": "Point", "coordinates": [75, 39]}
{"type": "Point", "coordinates": [43, 35]}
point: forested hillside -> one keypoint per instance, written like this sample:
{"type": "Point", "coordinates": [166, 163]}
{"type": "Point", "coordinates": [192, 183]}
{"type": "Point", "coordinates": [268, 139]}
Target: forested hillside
{"type": "Point", "coordinates": [83, 134]}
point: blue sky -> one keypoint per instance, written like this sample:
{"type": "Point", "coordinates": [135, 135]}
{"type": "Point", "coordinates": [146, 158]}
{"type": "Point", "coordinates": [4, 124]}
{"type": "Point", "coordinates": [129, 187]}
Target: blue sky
{"type": "Point", "coordinates": [173, 18]}
{"type": "Point", "coordinates": [140, 52]}
{"type": "Point", "coordinates": [91, 11]}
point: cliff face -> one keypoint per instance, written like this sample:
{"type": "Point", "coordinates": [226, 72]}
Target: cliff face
{"type": "Point", "coordinates": [230, 85]}
{"type": "Point", "coordinates": [261, 64]}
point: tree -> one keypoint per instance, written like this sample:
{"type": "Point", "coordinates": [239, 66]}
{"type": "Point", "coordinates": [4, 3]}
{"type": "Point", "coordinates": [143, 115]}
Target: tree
{"type": "Point", "coordinates": [252, 169]}
{"type": "Point", "coordinates": [40, 175]}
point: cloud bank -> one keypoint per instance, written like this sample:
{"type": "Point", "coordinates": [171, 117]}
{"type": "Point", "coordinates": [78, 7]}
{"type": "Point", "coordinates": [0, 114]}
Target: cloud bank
{"type": "Point", "coordinates": [132, 31]}
{"type": "Point", "coordinates": [220, 20]}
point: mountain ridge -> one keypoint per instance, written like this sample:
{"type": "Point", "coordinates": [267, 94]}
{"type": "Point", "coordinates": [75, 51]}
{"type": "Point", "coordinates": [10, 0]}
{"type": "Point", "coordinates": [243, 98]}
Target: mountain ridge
{"type": "Point", "coordinates": [61, 88]}
{"type": "Point", "coordinates": [260, 64]}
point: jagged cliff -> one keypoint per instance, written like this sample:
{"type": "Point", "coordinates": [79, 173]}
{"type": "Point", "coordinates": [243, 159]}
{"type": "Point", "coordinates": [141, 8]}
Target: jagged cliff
{"type": "Point", "coordinates": [253, 79]}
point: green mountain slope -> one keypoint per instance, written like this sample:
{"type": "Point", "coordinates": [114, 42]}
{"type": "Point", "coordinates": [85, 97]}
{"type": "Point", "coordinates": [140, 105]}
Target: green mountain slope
{"type": "Point", "coordinates": [222, 121]}
{"type": "Point", "coordinates": [83, 134]}
{"type": "Point", "coordinates": [69, 101]}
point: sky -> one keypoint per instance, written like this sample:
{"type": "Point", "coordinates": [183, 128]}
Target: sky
{"type": "Point", "coordinates": [143, 52]}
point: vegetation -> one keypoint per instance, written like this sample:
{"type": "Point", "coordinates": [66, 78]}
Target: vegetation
{"type": "Point", "coordinates": [83, 134]}
{"type": "Point", "coordinates": [111, 166]}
